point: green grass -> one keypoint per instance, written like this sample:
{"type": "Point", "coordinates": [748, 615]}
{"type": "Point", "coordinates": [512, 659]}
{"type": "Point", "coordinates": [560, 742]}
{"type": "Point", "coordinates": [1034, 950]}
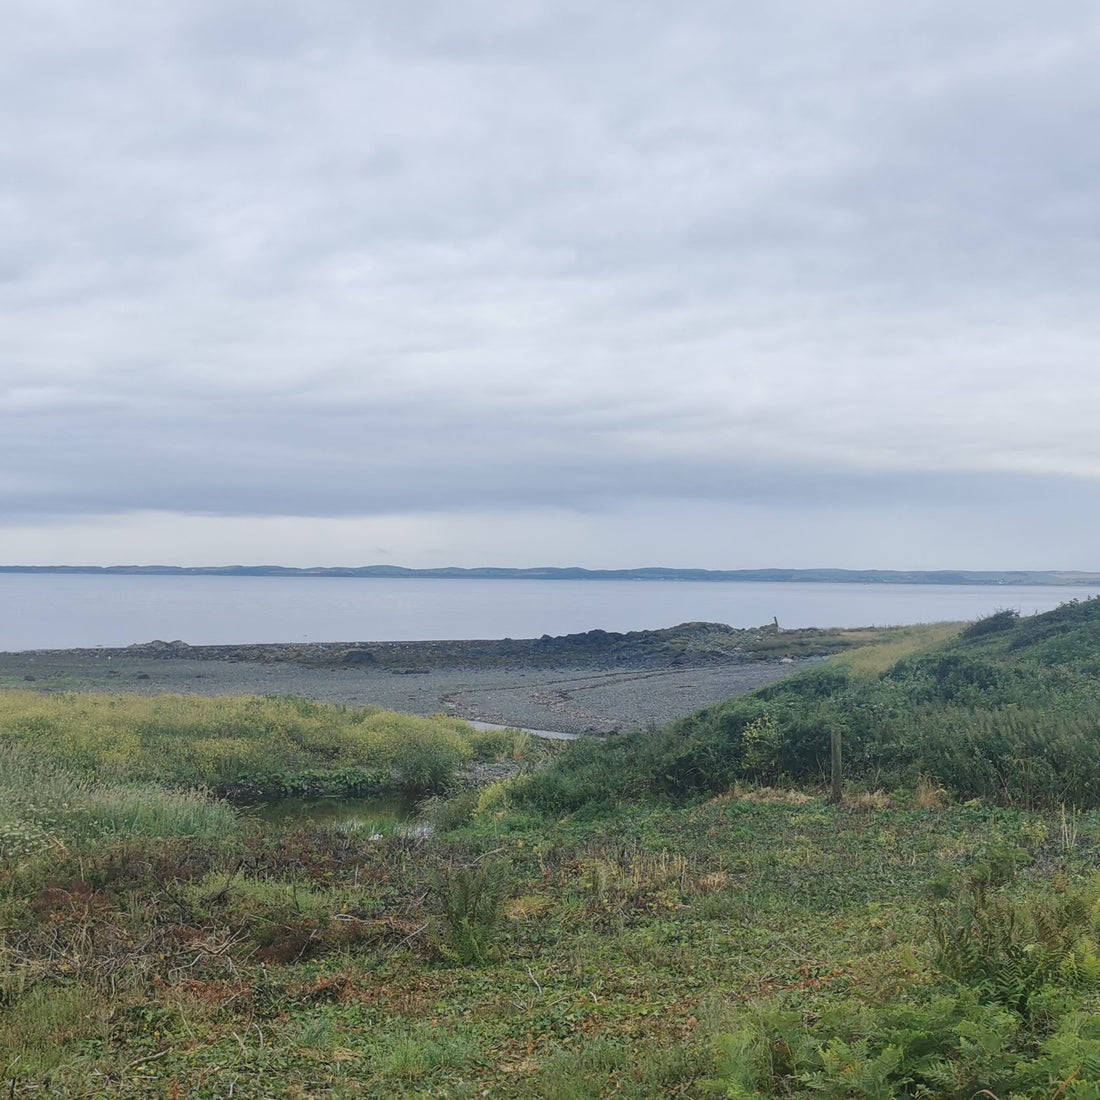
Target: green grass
{"type": "Point", "coordinates": [240, 746]}
{"type": "Point", "coordinates": [1006, 710]}
{"type": "Point", "coordinates": [620, 925]}
{"type": "Point", "coordinates": [639, 956]}
{"type": "Point", "coordinates": [46, 1024]}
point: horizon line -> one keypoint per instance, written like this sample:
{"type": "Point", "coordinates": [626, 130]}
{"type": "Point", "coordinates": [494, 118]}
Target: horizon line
{"type": "Point", "coordinates": [1066, 577]}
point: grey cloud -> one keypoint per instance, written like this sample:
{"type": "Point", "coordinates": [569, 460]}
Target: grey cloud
{"type": "Point", "coordinates": [341, 258]}
{"type": "Point", "coordinates": [226, 458]}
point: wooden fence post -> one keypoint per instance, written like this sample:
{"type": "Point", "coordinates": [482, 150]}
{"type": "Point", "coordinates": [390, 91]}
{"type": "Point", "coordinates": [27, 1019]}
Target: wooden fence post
{"type": "Point", "coordinates": [838, 766]}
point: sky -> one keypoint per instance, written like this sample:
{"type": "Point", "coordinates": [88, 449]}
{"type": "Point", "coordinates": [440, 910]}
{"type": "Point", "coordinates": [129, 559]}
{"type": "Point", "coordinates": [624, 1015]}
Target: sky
{"type": "Point", "coordinates": [720, 283]}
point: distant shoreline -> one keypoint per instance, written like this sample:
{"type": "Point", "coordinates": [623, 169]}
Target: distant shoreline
{"type": "Point", "coordinates": [993, 578]}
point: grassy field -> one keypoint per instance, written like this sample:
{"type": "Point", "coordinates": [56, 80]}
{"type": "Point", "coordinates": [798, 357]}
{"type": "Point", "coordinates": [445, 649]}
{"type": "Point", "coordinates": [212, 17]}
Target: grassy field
{"type": "Point", "coordinates": [880, 653]}
{"type": "Point", "coordinates": [239, 746]}
{"type": "Point", "coordinates": [740, 937]}
{"type": "Point", "coordinates": [755, 944]}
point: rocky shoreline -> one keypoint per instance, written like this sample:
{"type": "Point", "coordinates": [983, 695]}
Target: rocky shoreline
{"type": "Point", "coordinates": [595, 682]}
{"type": "Point", "coordinates": [689, 643]}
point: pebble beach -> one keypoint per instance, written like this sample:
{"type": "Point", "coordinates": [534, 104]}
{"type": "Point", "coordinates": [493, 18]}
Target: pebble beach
{"type": "Point", "coordinates": [568, 698]}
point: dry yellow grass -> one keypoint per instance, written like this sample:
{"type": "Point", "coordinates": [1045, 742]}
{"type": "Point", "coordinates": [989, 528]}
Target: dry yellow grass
{"type": "Point", "coordinates": [868, 802]}
{"type": "Point", "coordinates": [878, 655]}
{"type": "Point", "coordinates": [527, 907]}
{"type": "Point", "coordinates": [929, 795]}
{"type": "Point", "coordinates": [710, 883]}
{"type": "Point", "coordinates": [787, 795]}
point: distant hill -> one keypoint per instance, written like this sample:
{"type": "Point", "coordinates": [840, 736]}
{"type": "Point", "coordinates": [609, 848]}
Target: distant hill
{"type": "Point", "coordinates": [549, 573]}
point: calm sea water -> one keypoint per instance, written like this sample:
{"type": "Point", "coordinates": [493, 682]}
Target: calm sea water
{"type": "Point", "coordinates": [49, 611]}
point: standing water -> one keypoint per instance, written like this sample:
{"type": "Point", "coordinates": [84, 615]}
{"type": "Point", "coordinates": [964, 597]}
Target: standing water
{"type": "Point", "coordinates": [59, 611]}
{"type": "Point", "coordinates": [384, 811]}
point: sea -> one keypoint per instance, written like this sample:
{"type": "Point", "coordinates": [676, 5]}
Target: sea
{"type": "Point", "coordinates": [62, 611]}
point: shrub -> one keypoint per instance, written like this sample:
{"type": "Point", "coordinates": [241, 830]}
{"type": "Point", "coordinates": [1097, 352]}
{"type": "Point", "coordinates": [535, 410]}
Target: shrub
{"type": "Point", "coordinates": [493, 799]}
{"type": "Point", "coordinates": [946, 1047]}
{"type": "Point", "coordinates": [447, 813]}
{"type": "Point", "coordinates": [1009, 951]}
{"type": "Point", "coordinates": [1004, 619]}
{"type": "Point", "coordinates": [427, 761]}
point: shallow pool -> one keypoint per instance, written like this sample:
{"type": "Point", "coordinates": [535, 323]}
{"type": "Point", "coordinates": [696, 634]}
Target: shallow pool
{"type": "Point", "coordinates": [388, 809]}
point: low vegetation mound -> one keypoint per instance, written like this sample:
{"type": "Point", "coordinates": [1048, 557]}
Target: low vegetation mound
{"type": "Point", "coordinates": [688, 644]}
{"type": "Point", "coordinates": [237, 747]}
{"type": "Point", "coordinates": [1007, 709]}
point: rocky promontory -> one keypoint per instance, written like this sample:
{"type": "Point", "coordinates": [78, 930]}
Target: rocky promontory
{"type": "Point", "coordinates": [671, 647]}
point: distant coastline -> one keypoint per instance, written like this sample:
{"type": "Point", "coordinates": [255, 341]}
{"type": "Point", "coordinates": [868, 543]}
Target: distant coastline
{"type": "Point", "coordinates": [1062, 578]}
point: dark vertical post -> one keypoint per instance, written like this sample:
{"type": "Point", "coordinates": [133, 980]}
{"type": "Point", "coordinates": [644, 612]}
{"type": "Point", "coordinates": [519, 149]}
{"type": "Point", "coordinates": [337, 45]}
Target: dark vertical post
{"type": "Point", "coordinates": [838, 766]}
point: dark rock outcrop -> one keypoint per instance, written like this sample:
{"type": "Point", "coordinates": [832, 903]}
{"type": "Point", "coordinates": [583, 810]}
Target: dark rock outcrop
{"type": "Point", "coordinates": [686, 645]}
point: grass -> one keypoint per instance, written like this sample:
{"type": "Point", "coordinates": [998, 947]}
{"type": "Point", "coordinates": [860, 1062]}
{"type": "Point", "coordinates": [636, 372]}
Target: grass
{"type": "Point", "coordinates": [632, 958]}
{"type": "Point", "coordinates": [242, 746]}
{"type": "Point", "coordinates": [877, 656]}
{"type": "Point", "coordinates": [44, 808]}
{"type": "Point", "coordinates": [750, 941]}
{"type": "Point", "coordinates": [50, 1021]}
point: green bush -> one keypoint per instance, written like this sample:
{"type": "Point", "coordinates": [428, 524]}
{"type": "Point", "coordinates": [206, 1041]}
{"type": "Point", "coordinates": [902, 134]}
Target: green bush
{"type": "Point", "coordinates": [447, 813]}
{"type": "Point", "coordinates": [1010, 951]}
{"type": "Point", "coordinates": [1005, 619]}
{"type": "Point", "coordinates": [1014, 1019]}
{"type": "Point", "coordinates": [946, 1047]}
{"type": "Point", "coordinates": [427, 760]}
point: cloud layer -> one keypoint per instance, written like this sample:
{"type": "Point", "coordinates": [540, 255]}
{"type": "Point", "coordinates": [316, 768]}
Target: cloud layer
{"type": "Point", "coordinates": [362, 259]}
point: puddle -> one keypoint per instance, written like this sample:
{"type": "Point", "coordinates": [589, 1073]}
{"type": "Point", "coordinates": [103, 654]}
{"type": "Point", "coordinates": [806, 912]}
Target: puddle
{"type": "Point", "coordinates": [386, 810]}
{"type": "Point", "coordinates": [550, 735]}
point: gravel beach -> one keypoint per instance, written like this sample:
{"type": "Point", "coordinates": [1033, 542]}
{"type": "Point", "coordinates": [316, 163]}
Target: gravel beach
{"type": "Point", "coordinates": [567, 697]}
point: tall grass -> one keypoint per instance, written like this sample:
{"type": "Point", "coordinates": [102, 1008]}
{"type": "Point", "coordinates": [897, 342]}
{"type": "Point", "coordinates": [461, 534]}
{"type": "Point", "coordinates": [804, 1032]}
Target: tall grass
{"type": "Point", "coordinates": [42, 806]}
{"type": "Point", "coordinates": [233, 743]}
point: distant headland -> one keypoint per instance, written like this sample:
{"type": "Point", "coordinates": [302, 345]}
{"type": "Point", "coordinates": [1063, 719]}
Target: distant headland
{"type": "Point", "coordinates": [1066, 578]}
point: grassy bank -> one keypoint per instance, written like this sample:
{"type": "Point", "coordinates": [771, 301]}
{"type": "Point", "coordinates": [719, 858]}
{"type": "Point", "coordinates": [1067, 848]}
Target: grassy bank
{"type": "Point", "coordinates": [1006, 710]}
{"type": "Point", "coordinates": [238, 746]}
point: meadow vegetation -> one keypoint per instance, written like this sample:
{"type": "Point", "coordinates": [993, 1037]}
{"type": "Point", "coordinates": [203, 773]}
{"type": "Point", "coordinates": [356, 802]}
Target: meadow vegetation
{"type": "Point", "coordinates": [1006, 710]}
{"type": "Point", "coordinates": [677, 912]}
{"type": "Point", "coordinates": [239, 747]}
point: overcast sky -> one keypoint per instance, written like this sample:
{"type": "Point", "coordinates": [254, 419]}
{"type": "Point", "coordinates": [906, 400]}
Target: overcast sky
{"type": "Point", "coordinates": [542, 282]}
